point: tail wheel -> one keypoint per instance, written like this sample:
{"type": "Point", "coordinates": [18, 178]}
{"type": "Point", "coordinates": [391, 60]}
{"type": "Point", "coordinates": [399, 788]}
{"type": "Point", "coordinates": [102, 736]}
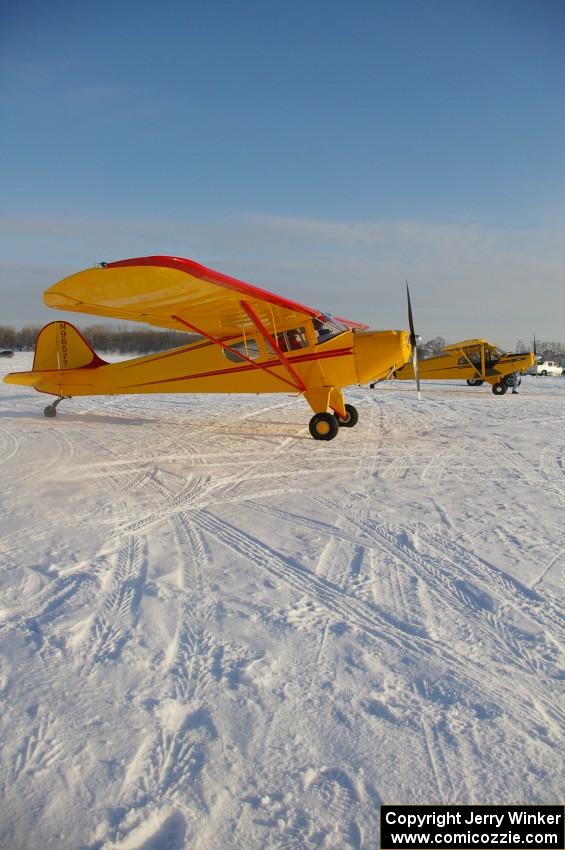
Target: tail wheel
{"type": "Point", "coordinates": [499, 389]}
{"type": "Point", "coordinates": [323, 426]}
{"type": "Point", "coordinates": [351, 419]}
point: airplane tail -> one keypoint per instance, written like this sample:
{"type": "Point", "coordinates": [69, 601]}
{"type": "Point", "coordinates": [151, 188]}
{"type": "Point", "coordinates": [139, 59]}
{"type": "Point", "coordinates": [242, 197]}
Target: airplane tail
{"type": "Point", "coordinates": [59, 347]}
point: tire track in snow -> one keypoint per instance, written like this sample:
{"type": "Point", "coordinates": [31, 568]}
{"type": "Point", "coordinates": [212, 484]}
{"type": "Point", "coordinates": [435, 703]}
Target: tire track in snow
{"type": "Point", "coordinates": [378, 627]}
{"type": "Point", "coordinates": [192, 552]}
{"type": "Point", "coordinates": [525, 650]}
{"type": "Point", "coordinates": [552, 466]}
{"type": "Point", "coordinates": [10, 447]}
{"type": "Point", "coordinates": [448, 560]}
{"type": "Point", "coordinates": [438, 762]}
{"type": "Point", "coordinates": [438, 572]}
{"type": "Point", "coordinates": [206, 487]}
{"type": "Point", "coordinates": [542, 611]}
{"type": "Point", "coordinates": [65, 451]}
{"type": "Point", "coordinates": [306, 583]}
{"type": "Point", "coordinates": [112, 624]}
{"type": "Point", "coordinates": [170, 760]}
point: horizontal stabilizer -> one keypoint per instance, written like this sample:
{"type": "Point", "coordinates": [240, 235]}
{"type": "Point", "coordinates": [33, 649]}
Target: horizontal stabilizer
{"type": "Point", "coordinates": [59, 347]}
{"type": "Point", "coordinates": [23, 379]}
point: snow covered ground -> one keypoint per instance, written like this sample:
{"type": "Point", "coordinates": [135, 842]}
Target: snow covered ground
{"type": "Point", "coordinates": [217, 633]}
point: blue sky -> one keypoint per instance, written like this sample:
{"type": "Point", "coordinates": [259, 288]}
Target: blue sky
{"type": "Point", "coordinates": [325, 150]}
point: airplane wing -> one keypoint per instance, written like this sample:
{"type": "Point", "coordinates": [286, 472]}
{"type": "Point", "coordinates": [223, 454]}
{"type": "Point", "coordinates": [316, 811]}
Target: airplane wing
{"type": "Point", "coordinates": [174, 293]}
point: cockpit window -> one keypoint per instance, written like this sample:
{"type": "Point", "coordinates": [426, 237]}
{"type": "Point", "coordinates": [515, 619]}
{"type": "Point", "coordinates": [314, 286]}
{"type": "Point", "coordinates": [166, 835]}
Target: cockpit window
{"type": "Point", "coordinates": [327, 327]}
{"type": "Point", "coordinates": [474, 356]}
{"type": "Point", "coordinates": [248, 348]}
{"type": "Point", "coordinates": [493, 355]}
{"type": "Point", "coordinates": [292, 339]}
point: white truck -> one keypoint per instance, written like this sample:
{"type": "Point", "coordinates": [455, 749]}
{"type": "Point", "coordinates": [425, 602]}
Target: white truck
{"type": "Point", "coordinates": [546, 367]}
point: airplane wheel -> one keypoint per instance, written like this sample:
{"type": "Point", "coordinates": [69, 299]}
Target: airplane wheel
{"type": "Point", "coordinates": [323, 426]}
{"type": "Point", "coordinates": [509, 380]}
{"type": "Point", "coordinates": [352, 417]}
{"type": "Point", "coordinates": [50, 411]}
{"type": "Point", "coordinates": [499, 389]}
{"type": "Point", "coordinates": [475, 382]}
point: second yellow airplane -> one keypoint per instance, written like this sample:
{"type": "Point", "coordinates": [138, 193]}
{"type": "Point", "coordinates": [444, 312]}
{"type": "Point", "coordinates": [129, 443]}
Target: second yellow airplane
{"type": "Point", "coordinates": [475, 361]}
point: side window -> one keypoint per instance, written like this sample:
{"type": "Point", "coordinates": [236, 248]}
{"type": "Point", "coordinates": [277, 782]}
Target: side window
{"type": "Point", "coordinates": [292, 340]}
{"type": "Point", "coordinates": [248, 348]}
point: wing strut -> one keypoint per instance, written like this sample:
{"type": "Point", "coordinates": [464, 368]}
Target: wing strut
{"type": "Point", "coordinates": [272, 342]}
{"type": "Point", "coordinates": [238, 353]}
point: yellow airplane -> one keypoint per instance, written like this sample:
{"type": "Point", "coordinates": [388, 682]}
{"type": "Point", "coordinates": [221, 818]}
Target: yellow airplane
{"type": "Point", "coordinates": [475, 360]}
{"type": "Point", "coordinates": [249, 341]}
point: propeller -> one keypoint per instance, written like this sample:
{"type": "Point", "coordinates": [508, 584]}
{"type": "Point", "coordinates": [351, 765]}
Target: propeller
{"type": "Point", "coordinates": [535, 349]}
{"type": "Point", "coordinates": [414, 343]}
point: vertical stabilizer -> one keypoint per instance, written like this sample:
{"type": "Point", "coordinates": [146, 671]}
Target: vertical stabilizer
{"type": "Point", "coordinates": [61, 346]}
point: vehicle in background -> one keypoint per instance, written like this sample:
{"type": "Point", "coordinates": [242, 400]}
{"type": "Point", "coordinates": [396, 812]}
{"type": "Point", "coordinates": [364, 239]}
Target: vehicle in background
{"type": "Point", "coordinates": [6, 353]}
{"type": "Point", "coordinates": [546, 367]}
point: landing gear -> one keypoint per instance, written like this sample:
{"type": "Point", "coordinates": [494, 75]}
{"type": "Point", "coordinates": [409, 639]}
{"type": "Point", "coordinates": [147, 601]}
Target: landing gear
{"type": "Point", "coordinates": [351, 419]}
{"type": "Point", "coordinates": [500, 388]}
{"type": "Point", "coordinates": [323, 426]}
{"type": "Point", "coordinates": [51, 409]}
{"type": "Point", "coordinates": [509, 381]}
{"type": "Point", "coordinates": [475, 382]}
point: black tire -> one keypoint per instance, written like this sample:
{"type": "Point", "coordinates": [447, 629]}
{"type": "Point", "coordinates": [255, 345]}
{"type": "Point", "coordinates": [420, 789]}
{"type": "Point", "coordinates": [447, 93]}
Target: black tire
{"type": "Point", "coordinates": [499, 389]}
{"type": "Point", "coordinates": [352, 417]}
{"type": "Point", "coordinates": [475, 382]}
{"type": "Point", "coordinates": [509, 381]}
{"type": "Point", "coordinates": [544, 372]}
{"type": "Point", "coordinates": [50, 411]}
{"type": "Point", "coordinates": [323, 426]}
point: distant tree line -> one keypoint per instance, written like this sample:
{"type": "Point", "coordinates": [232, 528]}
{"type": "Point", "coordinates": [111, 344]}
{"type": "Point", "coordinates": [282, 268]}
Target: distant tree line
{"type": "Point", "coordinates": [105, 338]}
{"type": "Point", "coordinates": [432, 346]}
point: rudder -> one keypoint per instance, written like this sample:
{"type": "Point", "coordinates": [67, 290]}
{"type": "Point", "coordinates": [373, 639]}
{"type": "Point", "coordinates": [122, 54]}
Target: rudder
{"type": "Point", "coordinates": [61, 346]}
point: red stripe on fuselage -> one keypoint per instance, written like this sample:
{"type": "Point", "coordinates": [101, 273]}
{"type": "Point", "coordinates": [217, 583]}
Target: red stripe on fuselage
{"type": "Point", "coordinates": [342, 352]}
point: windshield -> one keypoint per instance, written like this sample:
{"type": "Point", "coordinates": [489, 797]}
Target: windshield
{"type": "Point", "coordinates": [327, 327]}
